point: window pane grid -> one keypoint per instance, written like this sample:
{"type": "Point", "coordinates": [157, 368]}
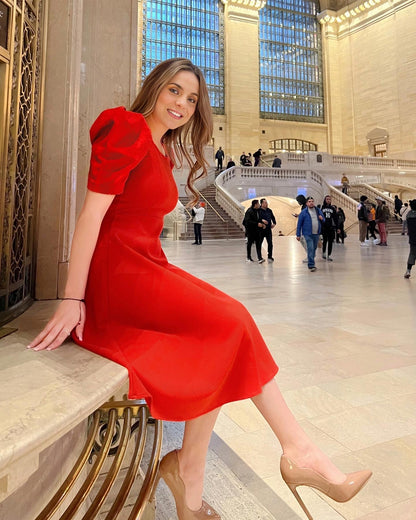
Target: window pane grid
{"type": "Point", "coordinates": [190, 29]}
{"type": "Point", "coordinates": [291, 85]}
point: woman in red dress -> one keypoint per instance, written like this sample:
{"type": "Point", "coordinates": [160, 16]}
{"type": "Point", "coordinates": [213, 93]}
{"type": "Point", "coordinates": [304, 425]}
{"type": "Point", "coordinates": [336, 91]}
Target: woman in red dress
{"type": "Point", "coordinates": [123, 299]}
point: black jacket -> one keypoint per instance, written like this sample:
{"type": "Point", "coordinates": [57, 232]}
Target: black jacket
{"type": "Point", "coordinates": [331, 217]}
{"type": "Point", "coordinates": [251, 220]}
{"type": "Point", "coordinates": [411, 227]}
{"type": "Point", "coordinates": [362, 212]}
{"type": "Point", "coordinates": [267, 214]}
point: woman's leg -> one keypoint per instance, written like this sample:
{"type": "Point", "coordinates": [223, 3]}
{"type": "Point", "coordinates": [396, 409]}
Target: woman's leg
{"type": "Point", "coordinates": [331, 237]}
{"type": "Point", "coordinates": [196, 232]}
{"type": "Point", "coordinates": [294, 441]}
{"type": "Point", "coordinates": [324, 241]}
{"type": "Point", "coordinates": [193, 454]}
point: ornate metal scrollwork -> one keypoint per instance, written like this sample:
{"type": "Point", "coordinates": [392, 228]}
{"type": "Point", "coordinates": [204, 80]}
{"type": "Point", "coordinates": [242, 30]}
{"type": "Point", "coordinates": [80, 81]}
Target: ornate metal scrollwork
{"type": "Point", "coordinates": [23, 85]}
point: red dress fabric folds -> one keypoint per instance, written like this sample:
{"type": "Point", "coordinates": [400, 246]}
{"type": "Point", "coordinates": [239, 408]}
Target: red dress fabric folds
{"type": "Point", "coordinates": [188, 347]}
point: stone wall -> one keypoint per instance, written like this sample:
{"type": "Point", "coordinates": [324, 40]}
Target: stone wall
{"type": "Point", "coordinates": [371, 77]}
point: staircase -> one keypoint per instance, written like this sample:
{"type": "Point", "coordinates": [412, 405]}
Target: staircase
{"type": "Point", "coordinates": [393, 226]}
{"type": "Point", "coordinates": [217, 224]}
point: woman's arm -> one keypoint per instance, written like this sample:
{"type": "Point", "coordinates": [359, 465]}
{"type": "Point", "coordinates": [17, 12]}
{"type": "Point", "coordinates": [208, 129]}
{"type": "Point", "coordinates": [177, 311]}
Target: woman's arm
{"type": "Point", "coordinates": [71, 313]}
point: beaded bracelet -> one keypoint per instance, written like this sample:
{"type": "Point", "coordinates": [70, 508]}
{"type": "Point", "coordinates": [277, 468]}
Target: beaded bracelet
{"type": "Point", "coordinates": [74, 299]}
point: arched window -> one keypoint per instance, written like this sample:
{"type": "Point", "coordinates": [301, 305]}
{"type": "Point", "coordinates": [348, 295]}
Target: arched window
{"type": "Point", "coordinates": [291, 145]}
{"type": "Point", "coordinates": [290, 61]}
{"type": "Point", "coordinates": [190, 29]}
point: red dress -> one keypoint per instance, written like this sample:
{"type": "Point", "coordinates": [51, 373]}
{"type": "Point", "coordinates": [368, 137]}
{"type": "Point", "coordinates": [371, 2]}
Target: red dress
{"type": "Point", "coordinates": [188, 347]}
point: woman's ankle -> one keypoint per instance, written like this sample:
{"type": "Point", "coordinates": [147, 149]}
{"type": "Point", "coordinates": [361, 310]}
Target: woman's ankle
{"type": "Point", "coordinates": [192, 475]}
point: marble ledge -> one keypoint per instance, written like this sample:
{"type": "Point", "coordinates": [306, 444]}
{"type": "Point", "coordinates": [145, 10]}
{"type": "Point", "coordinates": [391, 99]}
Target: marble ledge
{"type": "Point", "coordinates": [44, 395]}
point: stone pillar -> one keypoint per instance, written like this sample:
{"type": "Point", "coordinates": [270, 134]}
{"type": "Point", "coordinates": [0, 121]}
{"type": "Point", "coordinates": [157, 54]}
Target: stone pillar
{"type": "Point", "coordinates": [58, 168]}
{"type": "Point", "coordinates": [91, 65]}
{"type": "Point", "coordinates": [333, 88]}
{"type": "Point", "coordinates": [241, 29]}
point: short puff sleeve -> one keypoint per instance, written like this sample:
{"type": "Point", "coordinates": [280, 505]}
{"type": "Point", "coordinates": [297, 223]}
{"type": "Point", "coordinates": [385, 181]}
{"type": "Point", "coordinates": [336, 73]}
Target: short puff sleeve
{"type": "Point", "coordinates": [120, 139]}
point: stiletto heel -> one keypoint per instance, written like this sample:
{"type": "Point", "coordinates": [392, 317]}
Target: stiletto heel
{"type": "Point", "coordinates": [169, 471]}
{"type": "Point", "coordinates": [295, 476]}
{"type": "Point", "coordinates": [301, 502]}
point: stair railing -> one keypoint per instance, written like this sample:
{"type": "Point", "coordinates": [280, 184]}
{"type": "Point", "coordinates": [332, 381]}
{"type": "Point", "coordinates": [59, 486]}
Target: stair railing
{"type": "Point", "coordinates": [215, 211]}
{"type": "Point", "coordinates": [372, 193]}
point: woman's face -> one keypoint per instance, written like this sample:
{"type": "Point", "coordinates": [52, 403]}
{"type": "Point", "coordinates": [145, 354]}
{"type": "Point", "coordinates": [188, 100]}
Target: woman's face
{"type": "Point", "coordinates": [328, 200]}
{"type": "Point", "coordinates": [177, 101]}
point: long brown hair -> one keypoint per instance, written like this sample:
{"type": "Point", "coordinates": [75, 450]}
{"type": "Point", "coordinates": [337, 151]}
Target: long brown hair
{"type": "Point", "coordinates": [197, 131]}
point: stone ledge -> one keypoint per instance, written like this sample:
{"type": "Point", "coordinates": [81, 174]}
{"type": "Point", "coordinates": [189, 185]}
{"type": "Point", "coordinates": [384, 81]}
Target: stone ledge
{"type": "Point", "coordinates": [44, 395]}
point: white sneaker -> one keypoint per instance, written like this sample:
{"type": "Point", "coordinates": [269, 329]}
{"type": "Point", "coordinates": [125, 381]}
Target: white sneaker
{"type": "Point", "coordinates": [305, 261]}
{"type": "Point", "coordinates": [363, 244]}
{"type": "Point", "coordinates": [324, 256]}
{"type": "Point", "coordinates": [329, 259]}
{"type": "Point", "coordinates": [376, 241]}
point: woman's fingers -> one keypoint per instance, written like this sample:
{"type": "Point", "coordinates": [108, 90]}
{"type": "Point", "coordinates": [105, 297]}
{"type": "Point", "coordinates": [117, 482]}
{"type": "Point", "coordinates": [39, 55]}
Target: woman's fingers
{"type": "Point", "coordinates": [40, 338]}
{"type": "Point", "coordinates": [62, 336]}
{"type": "Point", "coordinates": [53, 339]}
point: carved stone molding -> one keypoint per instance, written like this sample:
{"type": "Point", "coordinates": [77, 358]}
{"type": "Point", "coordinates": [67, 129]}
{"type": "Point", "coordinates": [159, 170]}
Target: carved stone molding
{"type": "Point", "coordinates": [249, 4]}
{"type": "Point", "coordinates": [243, 10]}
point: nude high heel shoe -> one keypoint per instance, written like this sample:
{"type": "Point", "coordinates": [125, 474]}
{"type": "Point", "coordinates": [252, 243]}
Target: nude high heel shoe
{"type": "Point", "coordinates": [169, 471]}
{"type": "Point", "coordinates": [295, 476]}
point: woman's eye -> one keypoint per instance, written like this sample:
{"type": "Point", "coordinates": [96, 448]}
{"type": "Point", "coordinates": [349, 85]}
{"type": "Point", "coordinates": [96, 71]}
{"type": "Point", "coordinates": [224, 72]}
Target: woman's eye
{"type": "Point", "coordinates": [174, 90]}
{"type": "Point", "coordinates": [192, 100]}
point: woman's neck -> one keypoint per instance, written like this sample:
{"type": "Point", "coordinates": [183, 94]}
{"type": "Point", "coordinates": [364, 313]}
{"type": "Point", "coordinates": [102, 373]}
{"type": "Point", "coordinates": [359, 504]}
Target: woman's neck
{"type": "Point", "coordinates": [157, 134]}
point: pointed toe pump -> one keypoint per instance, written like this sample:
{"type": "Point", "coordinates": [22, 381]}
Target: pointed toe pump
{"type": "Point", "coordinates": [169, 471]}
{"type": "Point", "coordinates": [295, 476]}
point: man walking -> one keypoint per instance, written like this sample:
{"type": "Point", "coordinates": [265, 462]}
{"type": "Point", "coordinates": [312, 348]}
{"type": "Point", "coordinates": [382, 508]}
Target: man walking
{"type": "Point", "coordinates": [253, 227]}
{"type": "Point", "coordinates": [309, 226]}
{"type": "Point", "coordinates": [268, 219]}
{"type": "Point", "coordinates": [257, 156]}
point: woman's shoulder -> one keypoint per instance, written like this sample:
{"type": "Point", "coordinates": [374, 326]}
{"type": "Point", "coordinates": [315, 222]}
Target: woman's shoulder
{"type": "Point", "coordinates": [122, 122]}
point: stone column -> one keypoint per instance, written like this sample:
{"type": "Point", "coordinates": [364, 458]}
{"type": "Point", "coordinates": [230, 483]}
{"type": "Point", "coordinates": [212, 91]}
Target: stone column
{"type": "Point", "coordinates": [334, 88]}
{"type": "Point", "coordinates": [91, 65]}
{"type": "Point", "coordinates": [242, 75]}
{"type": "Point", "coordinates": [58, 167]}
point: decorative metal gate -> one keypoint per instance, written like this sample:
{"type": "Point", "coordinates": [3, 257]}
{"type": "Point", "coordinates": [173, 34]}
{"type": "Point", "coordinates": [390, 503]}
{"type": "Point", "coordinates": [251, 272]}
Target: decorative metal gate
{"type": "Point", "coordinates": [21, 50]}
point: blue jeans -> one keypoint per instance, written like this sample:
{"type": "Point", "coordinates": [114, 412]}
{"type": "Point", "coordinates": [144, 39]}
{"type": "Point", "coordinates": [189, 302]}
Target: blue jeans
{"type": "Point", "coordinates": [312, 244]}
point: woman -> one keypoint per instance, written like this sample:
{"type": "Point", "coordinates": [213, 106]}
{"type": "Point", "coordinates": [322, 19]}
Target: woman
{"type": "Point", "coordinates": [138, 311]}
{"type": "Point", "coordinates": [329, 227]}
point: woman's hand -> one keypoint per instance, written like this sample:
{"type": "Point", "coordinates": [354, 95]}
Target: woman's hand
{"type": "Point", "coordinates": [69, 315]}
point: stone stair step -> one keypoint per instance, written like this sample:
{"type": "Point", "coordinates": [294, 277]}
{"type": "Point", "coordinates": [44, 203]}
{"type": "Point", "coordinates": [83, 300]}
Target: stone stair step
{"type": "Point", "coordinates": [213, 227]}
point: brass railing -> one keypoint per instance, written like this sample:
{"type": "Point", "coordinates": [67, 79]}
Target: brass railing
{"type": "Point", "coordinates": [114, 428]}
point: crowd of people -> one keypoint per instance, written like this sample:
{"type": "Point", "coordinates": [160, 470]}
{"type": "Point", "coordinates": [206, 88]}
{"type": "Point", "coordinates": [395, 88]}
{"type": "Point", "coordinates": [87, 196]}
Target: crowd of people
{"type": "Point", "coordinates": [245, 159]}
{"type": "Point", "coordinates": [324, 224]}
{"type": "Point", "coordinates": [251, 159]}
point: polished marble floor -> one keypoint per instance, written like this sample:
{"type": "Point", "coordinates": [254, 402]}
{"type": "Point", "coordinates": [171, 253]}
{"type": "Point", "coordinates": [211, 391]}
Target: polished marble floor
{"type": "Point", "coordinates": [344, 338]}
